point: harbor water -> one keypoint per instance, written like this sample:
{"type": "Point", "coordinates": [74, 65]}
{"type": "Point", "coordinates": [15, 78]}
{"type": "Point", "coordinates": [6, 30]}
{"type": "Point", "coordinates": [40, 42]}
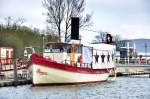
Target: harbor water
{"type": "Point", "coordinates": [137, 87]}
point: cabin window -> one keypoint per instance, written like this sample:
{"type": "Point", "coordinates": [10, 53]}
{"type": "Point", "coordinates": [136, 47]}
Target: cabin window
{"type": "Point", "coordinates": [55, 48]}
{"type": "Point", "coordinates": [78, 49]}
{"type": "Point", "coordinates": [68, 48]}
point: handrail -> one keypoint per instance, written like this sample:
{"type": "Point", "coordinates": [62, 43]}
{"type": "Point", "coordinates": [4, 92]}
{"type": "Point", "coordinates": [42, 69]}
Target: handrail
{"type": "Point", "coordinates": [84, 65]}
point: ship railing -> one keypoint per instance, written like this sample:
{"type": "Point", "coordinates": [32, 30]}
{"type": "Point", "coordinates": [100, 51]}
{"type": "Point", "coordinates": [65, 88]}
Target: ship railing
{"type": "Point", "coordinates": [77, 64]}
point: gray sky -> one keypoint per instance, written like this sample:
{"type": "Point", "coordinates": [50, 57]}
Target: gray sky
{"type": "Point", "coordinates": [31, 10]}
{"type": "Point", "coordinates": [128, 18]}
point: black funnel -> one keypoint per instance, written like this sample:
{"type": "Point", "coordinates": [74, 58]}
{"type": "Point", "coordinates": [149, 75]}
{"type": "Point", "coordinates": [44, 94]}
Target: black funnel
{"type": "Point", "coordinates": [75, 28]}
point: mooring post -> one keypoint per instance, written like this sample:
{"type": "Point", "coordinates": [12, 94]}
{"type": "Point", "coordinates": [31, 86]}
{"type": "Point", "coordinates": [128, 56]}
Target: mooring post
{"type": "Point", "coordinates": [15, 73]}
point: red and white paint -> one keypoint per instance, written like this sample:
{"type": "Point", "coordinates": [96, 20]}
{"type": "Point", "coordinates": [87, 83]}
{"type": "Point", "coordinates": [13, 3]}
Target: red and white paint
{"type": "Point", "coordinates": [46, 72]}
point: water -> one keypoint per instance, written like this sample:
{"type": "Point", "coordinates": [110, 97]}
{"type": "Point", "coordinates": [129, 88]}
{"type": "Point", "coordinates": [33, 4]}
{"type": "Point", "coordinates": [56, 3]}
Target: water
{"type": "Point", "coordinates": [122, 88]}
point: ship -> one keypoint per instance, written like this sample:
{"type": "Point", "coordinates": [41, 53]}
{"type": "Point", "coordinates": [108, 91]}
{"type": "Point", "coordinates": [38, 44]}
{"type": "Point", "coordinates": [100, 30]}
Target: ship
{"type": "Point", "coordinates": [73, 62]}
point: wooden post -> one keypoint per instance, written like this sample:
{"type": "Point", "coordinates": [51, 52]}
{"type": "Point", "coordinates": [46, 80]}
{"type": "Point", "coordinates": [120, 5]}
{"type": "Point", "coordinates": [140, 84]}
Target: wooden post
{"type": "Point", "coordinates": [15, 73]}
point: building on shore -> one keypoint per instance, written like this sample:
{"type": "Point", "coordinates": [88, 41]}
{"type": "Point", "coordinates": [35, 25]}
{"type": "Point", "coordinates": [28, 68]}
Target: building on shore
{"type": "Point", "coordinates": [133, 51]}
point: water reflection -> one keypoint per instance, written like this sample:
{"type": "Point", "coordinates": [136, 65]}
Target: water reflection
{"type": "Point", "coordinates": [122, 88]}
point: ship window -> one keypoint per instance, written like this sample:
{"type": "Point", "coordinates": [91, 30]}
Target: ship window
{"type": "Point", "coordinates": [78, 49]}
{"type": "Point", "coordinates": [56, 48]}
{"type": "Point", "coordinates": [64, 48]}
{"type": "Point", "coordinates": [67, 48]}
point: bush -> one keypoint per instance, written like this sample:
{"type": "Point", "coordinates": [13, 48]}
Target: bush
{"type": "Point", "coordinates": [20, 38]}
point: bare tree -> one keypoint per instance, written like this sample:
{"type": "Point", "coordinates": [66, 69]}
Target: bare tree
{"type": "Point", "coordinates": [8, 21]}
{"type": "Point", "coordinates": [61, 11]}
{"type": "Point", "coordinates": [86, 21]}
{"type": "Point", "coordinates": [55, 13]}
{"type": "Point", "coordinates": [116, 39]}
{"type": "Point", "coordinates": [18, 22]}
{"type": "Point", "coordinates": [11, 22]}
{"type": "Point", "coordinates": [101, 36]}
{"type": "Point", "coordinates": [75, 8]}
{"type": "Point", "coordinates": [1, 26]}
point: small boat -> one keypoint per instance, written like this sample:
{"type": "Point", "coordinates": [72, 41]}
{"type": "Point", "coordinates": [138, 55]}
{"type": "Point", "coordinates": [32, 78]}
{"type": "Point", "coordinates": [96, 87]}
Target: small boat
{"type": "Point", "coordinates": [72, 63]}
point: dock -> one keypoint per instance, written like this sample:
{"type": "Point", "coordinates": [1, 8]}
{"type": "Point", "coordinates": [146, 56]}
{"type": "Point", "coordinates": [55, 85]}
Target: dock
{"type": "Point", "coordinates": [14, 78]}
{"type": "Point", "coordinates": [6, 83]}
{"type": "Point", "coordinates": [132, 69]}
{"type": "Point", "coordinates": [14, 75]}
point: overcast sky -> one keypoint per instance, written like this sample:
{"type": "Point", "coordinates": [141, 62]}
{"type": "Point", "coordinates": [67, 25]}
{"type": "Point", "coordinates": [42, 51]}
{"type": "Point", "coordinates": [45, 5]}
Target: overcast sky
{"type": "Point", "coordinates": [128, 18]}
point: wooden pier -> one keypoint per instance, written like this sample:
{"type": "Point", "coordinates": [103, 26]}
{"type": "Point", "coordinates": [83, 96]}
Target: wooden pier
{"type": "Point", "coordinates": [5, 83]}
{"type": "Point", "coordinates": [13, 75]}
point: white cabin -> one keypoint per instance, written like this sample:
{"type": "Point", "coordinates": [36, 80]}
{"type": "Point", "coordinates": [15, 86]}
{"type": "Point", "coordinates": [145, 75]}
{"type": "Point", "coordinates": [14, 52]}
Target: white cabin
{"type": "Point", "coordinates": [96, 56]}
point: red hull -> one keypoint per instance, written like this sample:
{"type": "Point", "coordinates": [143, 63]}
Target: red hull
{"type": "Point", "coordinates": [36, 59]}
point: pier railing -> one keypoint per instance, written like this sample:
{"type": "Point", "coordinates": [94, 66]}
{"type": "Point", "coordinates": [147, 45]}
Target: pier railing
{"type": "Point", "coordinates": [132, 61]}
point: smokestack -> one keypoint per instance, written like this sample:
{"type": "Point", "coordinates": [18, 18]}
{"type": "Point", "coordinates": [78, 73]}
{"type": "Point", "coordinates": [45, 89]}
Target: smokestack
{"type": "Point", "coordinates": [75, 28]}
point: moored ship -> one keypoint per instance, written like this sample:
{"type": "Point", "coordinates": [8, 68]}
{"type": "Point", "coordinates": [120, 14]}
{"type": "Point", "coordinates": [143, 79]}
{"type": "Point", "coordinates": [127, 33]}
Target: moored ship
{"type": "Point", "coordinates": [73, 63]}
